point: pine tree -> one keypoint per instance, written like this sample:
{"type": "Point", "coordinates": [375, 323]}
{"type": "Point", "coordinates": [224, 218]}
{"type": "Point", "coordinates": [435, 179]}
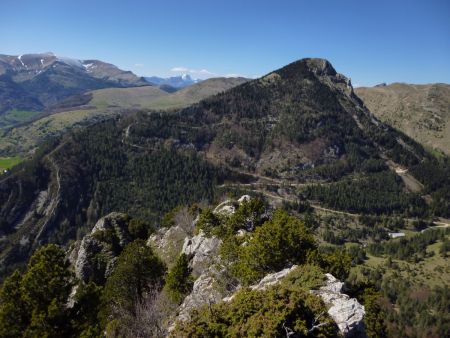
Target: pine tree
{"type": "Point", "coordinates": [179, 280]}
{"type": "Point", "coordinates": [374, 318]}
{"type": "Point", "coordinates": [138, 270]}
{"type": "Point", "coordinates": [34, 305]}
{"type": "Point", "coordinates": [14, 315]}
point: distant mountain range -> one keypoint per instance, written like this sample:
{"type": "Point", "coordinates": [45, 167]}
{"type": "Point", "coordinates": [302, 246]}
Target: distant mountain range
{"type": "Point", "coordinates": [36, 82]}
{"type": "Point", "coordinates": [176, 82]}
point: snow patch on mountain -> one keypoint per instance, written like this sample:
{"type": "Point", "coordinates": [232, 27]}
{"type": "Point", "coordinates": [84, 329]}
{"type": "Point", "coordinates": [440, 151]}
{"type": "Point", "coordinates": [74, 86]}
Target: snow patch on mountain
{"type": "Point", "coordinates": [71, 62]}
{"type": "Point", "coordinates": [20, 59]}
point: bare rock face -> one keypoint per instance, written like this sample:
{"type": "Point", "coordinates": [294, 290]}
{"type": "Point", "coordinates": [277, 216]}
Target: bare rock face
{"type": "Point", "coordinates": [168, 243]}
{"type": "Point", "coordinates": [99, 250]}
{"type": "Point", "coordinates": [347, 312]}
{"type": "Point", "coordinates": [204, 258]}
{"type": "Point", "coordinates": [203, 252]}
{"type": "Point", "coordinates": [204, 291]}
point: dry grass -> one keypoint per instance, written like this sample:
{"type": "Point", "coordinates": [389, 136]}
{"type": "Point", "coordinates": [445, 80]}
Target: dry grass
{"type": "Point", "coordinates": [420, 111]}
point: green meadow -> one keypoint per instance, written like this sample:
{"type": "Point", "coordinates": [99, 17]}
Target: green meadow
{"type": "Point", "coordinates": [9, 162]}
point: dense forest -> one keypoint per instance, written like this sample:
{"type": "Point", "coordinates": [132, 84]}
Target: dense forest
{"type": "Point", "coordinates": [99, 174]}
{"type": "Point", "coordinates": [379, 193]}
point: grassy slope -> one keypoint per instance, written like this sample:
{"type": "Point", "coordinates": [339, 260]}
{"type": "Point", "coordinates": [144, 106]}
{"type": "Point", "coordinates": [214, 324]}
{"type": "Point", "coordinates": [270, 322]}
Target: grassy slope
{"type": "Point", "coordinates": [195, 93]}
{"type": "Point", "coordinates": [107, 102]}
{"type": "Point", "coordinates": [26, 137]}
{"type": "Point", "coordinates": [9, 162]}
{"type": "Point", "coordinates": [136, 97]}
{"type": "Point", "coordinates": [13, 117]}
{"type": "Point", "coordinates": [431, 271]}
{"type": "Point", "coordinates": [420, 111]}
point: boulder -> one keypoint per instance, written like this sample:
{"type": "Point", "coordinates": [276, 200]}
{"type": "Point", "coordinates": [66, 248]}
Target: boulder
{"type": "Point", "coordinates": [244, 198]}
{"type": "Point", "coordinates": [228, 207]}
{"type": "Point", "coordinates": [347, 312]}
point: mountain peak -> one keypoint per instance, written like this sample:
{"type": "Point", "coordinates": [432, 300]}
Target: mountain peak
{"type": "Point", "coordinates": [319, 66]}
{"type": "Point", "coordinates": [186, 77]}
{"type": "Point", "coordinates": [303, 67]}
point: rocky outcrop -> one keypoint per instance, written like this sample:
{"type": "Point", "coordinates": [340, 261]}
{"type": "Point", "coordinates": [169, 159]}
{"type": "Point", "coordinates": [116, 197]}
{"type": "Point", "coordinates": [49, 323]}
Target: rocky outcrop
{"type": "Point", "coordinates": [272, 278]}
{"type": "Point", "coordinates": [203, 251]}
{"type": "Point", "coordinates": [98, 251]}
{"type": "Point", "coordinates": [168, 243]}
{"type": "Point", "coordinates": [347, 312]}
{"type": "Point", "coordinates": [225, 208]}
{"type": "Point", "coordinates": [204, 260]}
{"type": "Point", "coordinates": [229, 207]}
{"type": "Point", "coordinates": [268, 280]}
{"type": "Point", "coordinates": [206, 290]}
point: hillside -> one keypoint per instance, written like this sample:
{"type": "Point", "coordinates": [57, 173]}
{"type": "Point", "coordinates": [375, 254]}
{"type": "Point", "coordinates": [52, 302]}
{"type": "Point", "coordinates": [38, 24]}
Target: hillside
{"type": "Point", "coordinates": [420, 111]}
{"type": "Point", "coordinates": [299, 124]}
{"type": "Point", "coordinates": [155, 98]}
{"type": "Point", "coordinates": [81, 110]}
{"type": "Point", "coordinates": [36, 82]}
{"type": "Point", "coordinates": [195, 92]}
{"type": "Point", "coordinates": [329, 182]}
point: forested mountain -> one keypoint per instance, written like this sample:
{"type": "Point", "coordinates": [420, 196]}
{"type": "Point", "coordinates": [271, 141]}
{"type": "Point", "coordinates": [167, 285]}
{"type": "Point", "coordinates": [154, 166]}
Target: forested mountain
{"type": "Point", "coordinates": [300, 123]}
{"type": "Point", "coordinates": [20, 135]}
{"type": "Point", "coordinates": [299, 137]}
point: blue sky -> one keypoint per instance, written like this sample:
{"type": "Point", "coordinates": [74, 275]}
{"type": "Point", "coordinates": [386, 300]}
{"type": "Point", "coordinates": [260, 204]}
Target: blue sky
{"type": "Point", "coordinates": [370, 41]}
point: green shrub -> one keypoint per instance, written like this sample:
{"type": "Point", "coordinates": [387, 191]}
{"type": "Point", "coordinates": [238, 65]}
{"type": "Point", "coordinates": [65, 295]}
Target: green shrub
{"type": "Point", "coordinates": [208, 222]}
{"type": "Point", "coordinates": [179, 280]}
{"type": "Point", "coordinates": [374, 317]}
{"type": "Point", "coordinates": [261, 313]}
{"type": "Point", "coordinates": [34, 304]}
{"type": "Point", "coordinates": [139, 229]}
{"type": "Point", "coordinates": [279, 242]}
{"type": "Point", "coordinates": [138, 270]}
{"type": "Point", "coordinates": [338, 262]}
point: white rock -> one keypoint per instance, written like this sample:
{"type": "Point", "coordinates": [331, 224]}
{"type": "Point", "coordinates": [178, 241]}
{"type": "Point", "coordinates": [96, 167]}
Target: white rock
{"type": "Point", "coordinates": [272, 278]}
{"type": "Point", "coordinates": [347, 312]}
{"type": "Point", "coordinates": [204, 291]}
{"type": "Point", "coordinates": [86, 264]}
{"type": "Point", "coordinates": [241, 233]}
{"type": "Point", "coordinates": [203, 250]}
{"type": "Point", "coordinates": [244, 198]}
{"type": "Point", "coordinates": [225, 208]}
